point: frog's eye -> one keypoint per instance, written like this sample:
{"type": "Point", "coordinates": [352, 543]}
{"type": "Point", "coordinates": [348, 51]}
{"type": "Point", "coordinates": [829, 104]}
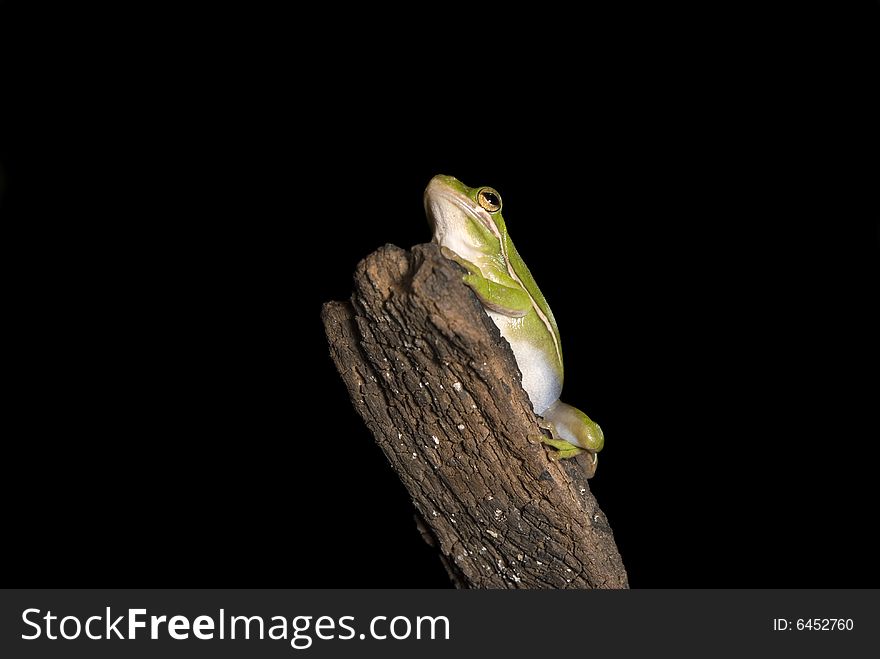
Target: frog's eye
{"type": "Point", "coordinates": [489, 199]}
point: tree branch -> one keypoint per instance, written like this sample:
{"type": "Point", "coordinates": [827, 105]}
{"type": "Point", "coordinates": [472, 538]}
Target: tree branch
{"type": "Point", "coordinates": [440, 390]}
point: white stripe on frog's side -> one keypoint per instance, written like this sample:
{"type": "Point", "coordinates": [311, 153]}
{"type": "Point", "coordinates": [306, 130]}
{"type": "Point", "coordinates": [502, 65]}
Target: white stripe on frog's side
{"type": "Point", "coordinates": [535, 305]}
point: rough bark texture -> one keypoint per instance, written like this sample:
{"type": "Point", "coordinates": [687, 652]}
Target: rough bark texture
{"type": "Point", "coordinates": [440, 390]}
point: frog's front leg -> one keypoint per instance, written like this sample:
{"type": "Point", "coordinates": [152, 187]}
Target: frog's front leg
{"type": "Point", "coordinates": [509, 300]}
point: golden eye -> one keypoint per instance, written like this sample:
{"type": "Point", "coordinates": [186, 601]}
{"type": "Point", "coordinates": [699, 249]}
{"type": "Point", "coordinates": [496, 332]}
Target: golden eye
{"type": "Point", "coordinates": [489, 199]}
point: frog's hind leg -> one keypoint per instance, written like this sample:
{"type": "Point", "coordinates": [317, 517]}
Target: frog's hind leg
{"type": "Point", "coordinates": [572, 432]}
{"type": "Point", "coordinates": [563, 448]}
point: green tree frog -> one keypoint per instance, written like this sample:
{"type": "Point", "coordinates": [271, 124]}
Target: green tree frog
{"type": "Point", "coordinates": [468, 225]}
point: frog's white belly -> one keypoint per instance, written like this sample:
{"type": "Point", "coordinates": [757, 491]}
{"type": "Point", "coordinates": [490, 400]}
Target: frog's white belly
{"type": "Point", "coordinates": [540, 378]}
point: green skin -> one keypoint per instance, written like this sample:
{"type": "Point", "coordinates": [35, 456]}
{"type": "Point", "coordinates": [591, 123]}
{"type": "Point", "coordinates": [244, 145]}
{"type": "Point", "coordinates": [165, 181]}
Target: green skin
{"type": "Point", "coordinates": [468, 224]}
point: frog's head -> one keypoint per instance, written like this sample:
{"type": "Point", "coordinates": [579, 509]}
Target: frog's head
{"type": "Point", "coordinates": [466, 220]}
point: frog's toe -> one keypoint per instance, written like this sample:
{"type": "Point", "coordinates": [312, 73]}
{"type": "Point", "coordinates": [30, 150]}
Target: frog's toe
{"type": "Point", "coordinates": [569, 453]}
{"type": "Point", "coordinates": [448, 253]}
{"type": "Point", "coordinates": [564, 449]}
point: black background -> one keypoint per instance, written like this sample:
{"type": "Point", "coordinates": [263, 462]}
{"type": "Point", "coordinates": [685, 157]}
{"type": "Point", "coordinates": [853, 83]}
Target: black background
{"type": "Point", "coordinates": [703, 221]}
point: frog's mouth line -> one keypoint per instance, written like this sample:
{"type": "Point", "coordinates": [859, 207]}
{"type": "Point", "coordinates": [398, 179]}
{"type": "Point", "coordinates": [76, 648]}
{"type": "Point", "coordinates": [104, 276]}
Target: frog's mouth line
{"type": "Point", "coordinates": [437, 208]}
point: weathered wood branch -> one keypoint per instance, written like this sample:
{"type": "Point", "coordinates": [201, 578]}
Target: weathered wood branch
{"type": "Point", "coordinates": [440, 390]}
